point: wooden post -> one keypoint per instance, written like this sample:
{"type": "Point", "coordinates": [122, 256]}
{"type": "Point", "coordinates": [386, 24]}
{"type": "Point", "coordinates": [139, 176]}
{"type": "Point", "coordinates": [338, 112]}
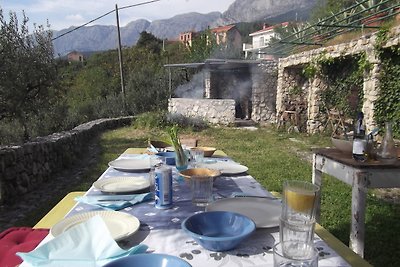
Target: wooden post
{"type": "Point", "coordinates": [121, 70]}
{"type": "Point", "coordinates": [359, 194]}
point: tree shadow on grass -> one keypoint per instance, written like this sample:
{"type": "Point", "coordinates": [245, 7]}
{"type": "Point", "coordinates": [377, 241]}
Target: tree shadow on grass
{"type": "Point", "coordinates": [381, 243]}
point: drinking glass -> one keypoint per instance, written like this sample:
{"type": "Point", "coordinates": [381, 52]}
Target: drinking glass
{"type": "Point", "coordinates": [201, 187]}
{"type": "Point", "coordinates": [154, 162]}
{"type": "Point", "coordinates": [306, 255]}
{"type": "Point", "coordinates": [299, 200]}
{"type": "Point", "coordinates": [296, 231]}
{"type": "Point", "coordinates": [197, 155]}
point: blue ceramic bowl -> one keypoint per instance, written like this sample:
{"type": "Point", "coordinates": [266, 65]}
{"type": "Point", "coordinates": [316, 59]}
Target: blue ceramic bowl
{"type": "Point", "coordinates": [169, 157]}
{"type": "Point", "coordinates": [218, 230]}
{"type": "Point", "coordinates": [149, 260]}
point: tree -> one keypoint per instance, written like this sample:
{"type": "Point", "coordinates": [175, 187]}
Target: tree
{"type": "Point", "coordinates": [202, 47]}
{"type": "Point", "coordinates": [27, 70]}
{"type": "Point", "coordinates": [149, 41]}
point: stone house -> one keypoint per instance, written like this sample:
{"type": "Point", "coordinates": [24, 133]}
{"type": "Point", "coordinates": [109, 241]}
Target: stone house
{"type": "Point", "coordinates": [186, 38]}
{"type": "Point", "coordinates": [224, 91]}
{"type": "Point", "coordinates": [75, 56]}
{"type": "Point", "coordinates": [290, 76]}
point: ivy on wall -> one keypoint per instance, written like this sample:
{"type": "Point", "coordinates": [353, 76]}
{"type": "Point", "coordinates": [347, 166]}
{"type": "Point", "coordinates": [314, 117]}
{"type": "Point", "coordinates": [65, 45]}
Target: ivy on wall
{"type": "Point", "coordinates": [344, 79]}
{"type": "Point", "coordinates": [387, 106]}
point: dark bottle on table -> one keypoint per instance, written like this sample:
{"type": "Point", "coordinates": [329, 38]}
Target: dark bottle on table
{"type": "Point", "coordinates": [359, 140]}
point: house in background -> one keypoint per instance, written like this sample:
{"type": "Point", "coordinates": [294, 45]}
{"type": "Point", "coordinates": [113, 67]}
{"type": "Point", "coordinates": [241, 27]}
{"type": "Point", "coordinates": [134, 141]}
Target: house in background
{"type": "Point", "coordinates": [186, 38]}
{"type": "Point", "coordinates": [227, 35]}
{"type": "Point", "coordinates": [75, 56]}
{"type": "Point", "coordinates": [260, 40]}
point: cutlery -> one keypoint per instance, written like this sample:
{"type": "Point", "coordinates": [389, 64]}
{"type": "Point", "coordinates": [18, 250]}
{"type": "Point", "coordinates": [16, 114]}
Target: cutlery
{"type": "Point", "coordinates": [110, 200]}
{"type": "Point", "coordinates": [274, 198]}
{"type": "Point", "coordinates": [235, 196]}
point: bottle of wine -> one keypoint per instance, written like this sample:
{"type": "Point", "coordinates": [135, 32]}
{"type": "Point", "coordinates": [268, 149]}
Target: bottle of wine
{"type": "Point", "coordinates": [359, 140]}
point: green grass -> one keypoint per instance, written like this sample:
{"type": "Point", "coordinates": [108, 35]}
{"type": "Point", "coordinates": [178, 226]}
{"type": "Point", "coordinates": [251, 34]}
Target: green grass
{"type": "Point", "coordinates": [272, 157]}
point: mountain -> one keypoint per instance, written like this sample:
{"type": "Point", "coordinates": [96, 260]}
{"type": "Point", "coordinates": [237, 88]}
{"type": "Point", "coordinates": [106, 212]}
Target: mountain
{"type": "Point", "coordinates": [260, 10]}
{"type": "Point", "coordinates": [171, 28]}
{"type": "Point", "coordinates": [100, 37]}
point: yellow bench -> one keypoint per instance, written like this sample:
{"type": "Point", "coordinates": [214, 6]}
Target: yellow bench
{"type": "Point", "coordinates": [59, 211]}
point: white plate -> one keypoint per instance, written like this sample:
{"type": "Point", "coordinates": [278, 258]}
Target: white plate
{"type": "Point", "coordinates": [120, 225]}
{"type": "Point", "coordinates": [263, 211]}
{"type": "Point", "coordinates": [226, 167]}
{"type": "Point", "coordinates": [130, 164]}
{"type": "Point", "coordinates": [122, 184]}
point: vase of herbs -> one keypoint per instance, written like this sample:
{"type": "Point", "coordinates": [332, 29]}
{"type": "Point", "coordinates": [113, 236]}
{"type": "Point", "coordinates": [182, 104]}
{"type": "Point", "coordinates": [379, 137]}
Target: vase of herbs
{"type": "Point", "coordinates": [181, 159]}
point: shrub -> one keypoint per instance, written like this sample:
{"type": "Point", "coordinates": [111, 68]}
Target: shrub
{"type": "Point", "coordinates": [151, 120]}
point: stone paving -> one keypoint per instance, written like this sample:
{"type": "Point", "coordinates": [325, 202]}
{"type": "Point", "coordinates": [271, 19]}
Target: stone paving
{"type": "Point", "coordinates": [59, 186]}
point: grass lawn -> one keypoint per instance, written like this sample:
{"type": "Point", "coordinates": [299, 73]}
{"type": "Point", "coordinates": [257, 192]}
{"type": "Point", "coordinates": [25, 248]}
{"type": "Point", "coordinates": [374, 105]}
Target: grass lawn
{"type": "Point", "coordinates": [273, 157]}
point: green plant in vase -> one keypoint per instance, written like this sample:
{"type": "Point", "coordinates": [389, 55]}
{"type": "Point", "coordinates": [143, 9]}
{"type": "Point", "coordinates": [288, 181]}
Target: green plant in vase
{"type": "Point", "coordinates": [181, 158]}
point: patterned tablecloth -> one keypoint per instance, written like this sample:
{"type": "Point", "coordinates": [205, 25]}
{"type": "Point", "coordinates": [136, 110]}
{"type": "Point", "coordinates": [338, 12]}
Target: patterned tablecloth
{"type": "Point", "coordinates": [161, 229]}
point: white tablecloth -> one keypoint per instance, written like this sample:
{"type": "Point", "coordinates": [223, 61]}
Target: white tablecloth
{"type": "Point", "coordinates": [161, 230]}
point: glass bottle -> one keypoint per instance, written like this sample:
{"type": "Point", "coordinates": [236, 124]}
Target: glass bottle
{"type": "Point", "coordinates": [359, 140]}
{"type": "Point", "coordinates": [387, 151]}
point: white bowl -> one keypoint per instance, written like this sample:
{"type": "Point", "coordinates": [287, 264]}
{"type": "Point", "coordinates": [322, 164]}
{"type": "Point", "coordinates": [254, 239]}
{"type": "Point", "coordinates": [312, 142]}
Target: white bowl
{"type": "Point", "coordinates": [342, 144]}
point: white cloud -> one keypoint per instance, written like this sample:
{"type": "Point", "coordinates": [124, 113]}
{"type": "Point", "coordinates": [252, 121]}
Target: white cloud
{"type": "Point", "coordinates": [75, 18]}
{"type": "Point", "coordinates": [64, 13]}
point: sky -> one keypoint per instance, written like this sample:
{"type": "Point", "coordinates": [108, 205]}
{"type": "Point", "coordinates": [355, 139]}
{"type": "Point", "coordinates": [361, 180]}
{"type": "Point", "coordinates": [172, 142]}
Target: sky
{"type": "Point", "coordinates": [62, 14]}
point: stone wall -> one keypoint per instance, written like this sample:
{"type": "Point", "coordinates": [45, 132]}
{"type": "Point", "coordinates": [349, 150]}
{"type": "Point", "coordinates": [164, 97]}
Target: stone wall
{"type": "Point", "coordinates": [264, 83]}
{"type": "Point", "coordinates": [25, 167]}
{"type": "Point", "coordinates": [214, 111]}
{"type": "Point", "coordinates": [291, 64]}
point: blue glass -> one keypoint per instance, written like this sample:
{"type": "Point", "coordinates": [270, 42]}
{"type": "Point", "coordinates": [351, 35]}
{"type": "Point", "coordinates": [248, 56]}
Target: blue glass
{"type": "Point", "coordinates": [168, 157]}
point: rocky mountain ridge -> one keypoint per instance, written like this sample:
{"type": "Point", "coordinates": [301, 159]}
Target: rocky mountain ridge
{"type": "Point", "coordinates": [100, 37]}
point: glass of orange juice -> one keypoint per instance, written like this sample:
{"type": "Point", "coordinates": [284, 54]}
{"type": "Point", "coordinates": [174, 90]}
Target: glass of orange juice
{"type": "Point", "coordinates": [300, 200]}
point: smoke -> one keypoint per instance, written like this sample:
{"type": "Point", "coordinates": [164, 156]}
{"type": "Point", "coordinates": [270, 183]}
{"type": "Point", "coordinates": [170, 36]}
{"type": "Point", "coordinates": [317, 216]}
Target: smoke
{"type": "Point", "coordinates": [193, 89]}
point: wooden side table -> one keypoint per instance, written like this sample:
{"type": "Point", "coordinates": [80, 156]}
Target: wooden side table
{"type": "Point", "coordinates": [361, 176]}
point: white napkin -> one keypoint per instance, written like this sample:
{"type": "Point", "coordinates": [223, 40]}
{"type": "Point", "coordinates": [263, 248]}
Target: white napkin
{"type": "Point", "coordinates": [84, 245]}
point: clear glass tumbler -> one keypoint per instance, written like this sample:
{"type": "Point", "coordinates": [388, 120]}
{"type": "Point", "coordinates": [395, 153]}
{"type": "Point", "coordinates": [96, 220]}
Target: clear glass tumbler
{"type": "Point", "coordinates": [306, 255]}
{"type": "Point", "coordinates": [299, 200]}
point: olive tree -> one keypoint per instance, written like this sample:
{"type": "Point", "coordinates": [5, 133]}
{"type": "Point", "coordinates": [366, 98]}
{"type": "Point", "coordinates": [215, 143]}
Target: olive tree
{"type": "Point", "coordinates": [27, 71]}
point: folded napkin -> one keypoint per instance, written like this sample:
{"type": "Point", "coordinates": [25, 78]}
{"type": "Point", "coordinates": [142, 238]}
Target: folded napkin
{"type": "Point", "coordinates": [115, 202]}
{"type": "Point", "coordinates": [152, 149]}
{"type": "Point", "coordinates": [86, 244]}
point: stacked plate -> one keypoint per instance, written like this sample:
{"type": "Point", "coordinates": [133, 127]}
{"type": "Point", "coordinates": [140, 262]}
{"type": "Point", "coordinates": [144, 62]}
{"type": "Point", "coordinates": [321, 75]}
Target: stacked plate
{"type": "Point", "coordinates": [225, 167]}
{"type": "Point", "coordinates": [122, 184]}
{"type": "Point", "coordinates": [120, 225]}
{"type": "Point", "coordinates": [131, 165]}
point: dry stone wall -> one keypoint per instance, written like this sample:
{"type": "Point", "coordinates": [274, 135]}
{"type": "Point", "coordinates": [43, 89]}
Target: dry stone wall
{"type": "Point", "coordinates": [214, 111]}
{"type": "Point", "coordinates": [316, 85]}
{"type": "Point", "coordinates": [25, 167]}
{"type": "Point", "coordinates": [264, 82]}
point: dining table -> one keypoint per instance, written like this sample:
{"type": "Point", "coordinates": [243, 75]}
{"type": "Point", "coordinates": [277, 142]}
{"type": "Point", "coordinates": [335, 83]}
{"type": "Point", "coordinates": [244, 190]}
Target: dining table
{"type": "Point", "coordinates": [160, 229]}
{"type": "Point", "coordinates": [361, 176]}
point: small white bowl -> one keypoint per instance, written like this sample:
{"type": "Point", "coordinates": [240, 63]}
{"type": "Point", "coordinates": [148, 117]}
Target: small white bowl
{"type": "Point", "coordinates": [342, 144]}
